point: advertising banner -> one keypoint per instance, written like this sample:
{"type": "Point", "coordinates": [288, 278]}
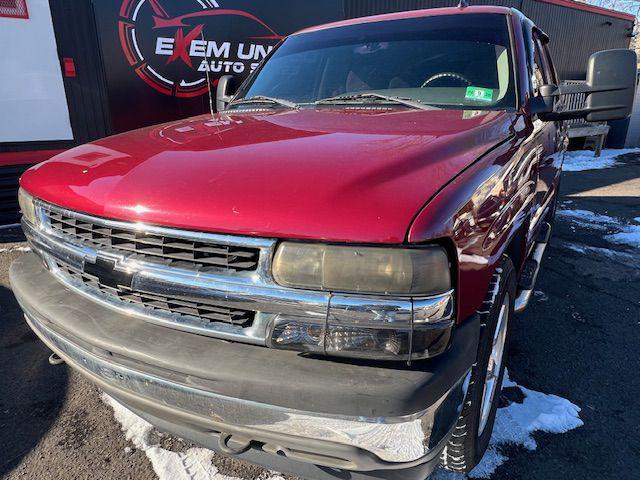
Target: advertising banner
{"type": "Point", "coordinates": [157, 54]}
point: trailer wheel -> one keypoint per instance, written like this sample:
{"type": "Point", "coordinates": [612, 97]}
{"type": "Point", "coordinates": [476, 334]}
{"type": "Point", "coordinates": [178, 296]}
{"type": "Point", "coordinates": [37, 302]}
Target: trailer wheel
{"type": "Point", "coordinates": [473, 430]}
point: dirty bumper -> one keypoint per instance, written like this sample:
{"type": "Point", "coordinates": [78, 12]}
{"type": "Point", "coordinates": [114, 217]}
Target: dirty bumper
{"type": "Point", "coordinates": [208, 390]}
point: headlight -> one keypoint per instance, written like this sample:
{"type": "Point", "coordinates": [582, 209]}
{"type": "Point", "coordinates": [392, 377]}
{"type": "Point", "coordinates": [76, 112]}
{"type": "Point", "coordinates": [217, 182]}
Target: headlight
{"type": "Point", "coordinates": [411, 317]}
{"type": "Point", "coordinates": [388, 271]}
{"type": "Point", "coordinates": [27, 207]}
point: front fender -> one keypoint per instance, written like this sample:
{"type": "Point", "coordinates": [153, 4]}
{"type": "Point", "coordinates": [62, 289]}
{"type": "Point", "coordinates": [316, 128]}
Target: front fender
{"type": "Point", "coordinates": [481, 211]}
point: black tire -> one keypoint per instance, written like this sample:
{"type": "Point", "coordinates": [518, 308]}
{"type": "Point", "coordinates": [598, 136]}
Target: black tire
{"type": "Point", "coordinates": [466, 447]}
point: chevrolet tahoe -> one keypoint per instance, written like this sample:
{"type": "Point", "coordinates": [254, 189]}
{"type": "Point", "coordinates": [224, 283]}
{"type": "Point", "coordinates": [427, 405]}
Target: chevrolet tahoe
{"type": "Point", "coordinates": [320, 277]}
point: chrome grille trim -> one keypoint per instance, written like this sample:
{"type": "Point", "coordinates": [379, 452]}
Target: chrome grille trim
{"type": "Point", "coordinates": [157, 302]}
{"type": "Point", "coordinates": [201, 253]}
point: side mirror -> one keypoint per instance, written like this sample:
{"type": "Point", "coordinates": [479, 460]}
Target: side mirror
{"type": "Point", "coordinates": [224, 92]}
{"type": "Point", "coordinates": [609, 90]}
{"type": "Point", "coordinates": [611, 74]}
{"type": "Point", "coordinates": [545, 101]}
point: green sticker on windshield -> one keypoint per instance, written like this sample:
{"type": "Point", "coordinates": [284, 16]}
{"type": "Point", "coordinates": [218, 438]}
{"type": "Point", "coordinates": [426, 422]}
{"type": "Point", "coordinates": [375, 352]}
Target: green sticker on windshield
{"type": "Point", "coordinates": [480, 94]}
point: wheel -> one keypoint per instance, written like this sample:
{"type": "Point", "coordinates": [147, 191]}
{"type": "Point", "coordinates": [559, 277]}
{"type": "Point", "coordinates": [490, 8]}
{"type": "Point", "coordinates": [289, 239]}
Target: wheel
{"type": "Point", "coordinates": [473, 430]}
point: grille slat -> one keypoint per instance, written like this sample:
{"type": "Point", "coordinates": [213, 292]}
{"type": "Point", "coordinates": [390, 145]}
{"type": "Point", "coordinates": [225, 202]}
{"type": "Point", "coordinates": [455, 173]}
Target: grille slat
{"type": "Point", "coordinates": [150, 247]}
{"type": "Point", "coordinates": [202, 311]}
{"type": "Point", "coordinates": [156, 248]}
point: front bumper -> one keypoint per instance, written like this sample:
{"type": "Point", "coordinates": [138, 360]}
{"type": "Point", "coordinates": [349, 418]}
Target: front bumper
{"type": "Point", "coordinates": [244, 399]}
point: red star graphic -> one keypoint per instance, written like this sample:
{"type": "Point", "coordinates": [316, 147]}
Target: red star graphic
{"type": "Point", "coordinates": [181, 45]}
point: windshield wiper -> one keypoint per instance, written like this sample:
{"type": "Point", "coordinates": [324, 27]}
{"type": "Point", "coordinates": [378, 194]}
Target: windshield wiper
{"type": "Point", "coordinates": [374, 96]}
{"type": "Point", "coordinates": [264, 99]}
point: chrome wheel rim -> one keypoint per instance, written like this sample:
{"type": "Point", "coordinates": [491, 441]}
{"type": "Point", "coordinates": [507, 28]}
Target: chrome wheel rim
{"type": "Point", "coordinates": [491, 386]}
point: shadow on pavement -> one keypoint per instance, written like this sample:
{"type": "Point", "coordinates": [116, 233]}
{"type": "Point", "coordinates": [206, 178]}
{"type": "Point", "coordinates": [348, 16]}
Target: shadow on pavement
{"type": "Point", "coordinates": [615, 189]}
{"type": "Point", "coordinates": [32, 392]}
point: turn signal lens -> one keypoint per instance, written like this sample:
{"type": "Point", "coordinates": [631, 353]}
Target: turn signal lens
{"type": "Point", "coordinates": [27, 207]}
{"type": "Point", "coordinates": [354, 341]}
{"type": "Point", "coordinates": [383, 343]}
{"type": "Point", "coordinates": [355, 269]}
{"type": "Point", "coordinates": [298, 334]}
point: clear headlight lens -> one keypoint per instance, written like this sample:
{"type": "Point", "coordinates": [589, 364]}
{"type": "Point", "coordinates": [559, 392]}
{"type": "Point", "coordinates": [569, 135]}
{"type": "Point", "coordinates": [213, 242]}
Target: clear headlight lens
{"type": "Point", "coordinates": [27, 207]}
{"type": "Point", "coordinates": [388, 271]}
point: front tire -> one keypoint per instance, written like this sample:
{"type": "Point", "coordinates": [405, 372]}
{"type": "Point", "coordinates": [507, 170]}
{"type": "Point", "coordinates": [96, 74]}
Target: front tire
{"type": "Point", "coordinates": [473, 431]}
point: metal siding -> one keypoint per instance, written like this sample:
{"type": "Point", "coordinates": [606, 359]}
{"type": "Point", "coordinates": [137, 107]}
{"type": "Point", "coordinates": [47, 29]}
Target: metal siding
{"type": "Point", "coordinates": [498, 3]}
{"type": "Point", "coordinates": [575, 34]}
{"type": "Point", "coordinates": [35, 146]}
{"type": "Point", "coordinates": [75, 30]}
{"type": "Point", "coordinates": [361, 8]}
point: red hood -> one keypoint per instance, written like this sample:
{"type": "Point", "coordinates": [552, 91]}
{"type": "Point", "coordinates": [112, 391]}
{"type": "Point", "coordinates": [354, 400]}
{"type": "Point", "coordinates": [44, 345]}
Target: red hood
{"type": "Point", "coordinates": [358, 176]}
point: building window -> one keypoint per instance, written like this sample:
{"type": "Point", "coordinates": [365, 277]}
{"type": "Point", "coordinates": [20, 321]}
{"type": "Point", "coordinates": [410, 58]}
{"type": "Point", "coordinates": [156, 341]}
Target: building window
{"type": "Point", "coordinates": [14, 8]}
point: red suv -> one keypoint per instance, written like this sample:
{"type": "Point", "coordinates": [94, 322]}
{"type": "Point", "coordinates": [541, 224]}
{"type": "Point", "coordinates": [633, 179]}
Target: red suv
{"type": "Point", "coordinates": [320, 277]}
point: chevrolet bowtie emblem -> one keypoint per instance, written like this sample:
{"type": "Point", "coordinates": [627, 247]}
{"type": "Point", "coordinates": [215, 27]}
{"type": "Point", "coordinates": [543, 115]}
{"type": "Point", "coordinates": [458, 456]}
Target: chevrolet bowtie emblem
{"type": "Point", "coordinates": [105, 270]}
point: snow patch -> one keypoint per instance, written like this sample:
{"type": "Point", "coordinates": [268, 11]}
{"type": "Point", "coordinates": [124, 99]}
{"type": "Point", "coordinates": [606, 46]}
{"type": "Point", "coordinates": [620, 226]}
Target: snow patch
{"type": "Point", "coordinates": [540, 296]}
{"type": "Point", "coordinates": [514, 425]}
{"type": "Point", "coordinates": [580, 160]}
{"type": "Point", "coordinates": [15, 249]}
{"type": "Point", "coordinates": [626, 234]}
{"type": "Point", "coordinates": [630, 235]}
{"type": "Point", "coordinates": [578, 248]}
{"type": "Point", "coordinates": [589, 219]}
{"type": "Point", "coordinates": [193, 464]}
{"type": "Point", "coordinates": [620, 256]}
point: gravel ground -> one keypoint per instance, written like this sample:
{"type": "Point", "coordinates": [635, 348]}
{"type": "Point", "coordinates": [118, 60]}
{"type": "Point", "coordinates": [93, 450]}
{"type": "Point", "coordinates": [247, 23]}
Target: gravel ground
{"type": "Point", "coordinates": [579, 339]}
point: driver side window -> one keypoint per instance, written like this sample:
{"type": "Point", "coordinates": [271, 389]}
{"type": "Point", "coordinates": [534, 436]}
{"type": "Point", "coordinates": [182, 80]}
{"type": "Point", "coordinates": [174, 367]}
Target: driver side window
{"type": "Point", "coordinates": [541, 73]}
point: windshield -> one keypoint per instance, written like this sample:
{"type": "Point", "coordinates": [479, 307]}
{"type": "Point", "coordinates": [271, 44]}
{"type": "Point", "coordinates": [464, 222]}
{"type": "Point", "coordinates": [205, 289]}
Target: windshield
{"type": "Point", "coordinates": [449, 61]}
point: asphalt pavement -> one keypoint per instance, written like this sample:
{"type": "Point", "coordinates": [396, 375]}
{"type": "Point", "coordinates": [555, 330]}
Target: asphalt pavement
{"type": "Point", "coordinates": [579, 339]}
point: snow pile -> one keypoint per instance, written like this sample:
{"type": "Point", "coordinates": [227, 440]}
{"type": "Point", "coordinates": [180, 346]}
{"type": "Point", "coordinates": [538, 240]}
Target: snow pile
{"type": "Point", "coordinates": [630, 235]}
{"type": "Point", "coordinates": [514, 426]}
{"type": "Point", "coordinates": [625, 233]}
{"type": "Point", "coordinates": [588, 219]}
{"type": "Point", "coordinates": [580, 160]}
{"type": "Point", "coordinates": [193, 464]}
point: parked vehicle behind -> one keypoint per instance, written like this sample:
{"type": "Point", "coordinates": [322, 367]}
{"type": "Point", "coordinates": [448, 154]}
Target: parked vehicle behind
{"type": "Point", "coordinates": [319, 278]}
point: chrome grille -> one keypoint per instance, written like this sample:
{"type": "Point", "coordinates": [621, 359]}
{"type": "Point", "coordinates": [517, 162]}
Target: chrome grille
{"type": "Point", "coordinates": [144, 246]}
{"type": "Point", "coordinates": [132, 265]}
{"type": "Point", "coordinates": [203, 311]}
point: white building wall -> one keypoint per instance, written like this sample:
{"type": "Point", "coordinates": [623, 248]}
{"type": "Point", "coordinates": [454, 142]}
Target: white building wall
{"type": "Point", "coordinates": [33, 104]}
